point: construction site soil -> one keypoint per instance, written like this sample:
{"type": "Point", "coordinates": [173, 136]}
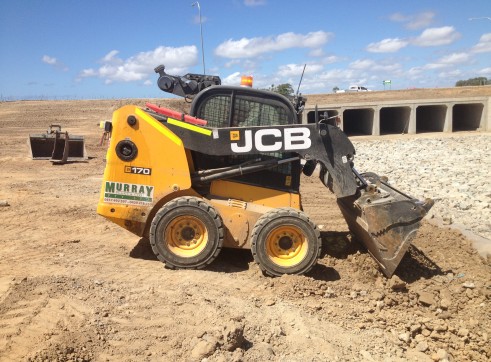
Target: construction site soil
{"type": "Point", "coordinates": [75, 287]}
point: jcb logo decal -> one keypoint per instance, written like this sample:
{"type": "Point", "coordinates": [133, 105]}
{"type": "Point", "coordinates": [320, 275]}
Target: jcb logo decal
{"type": "Point", "coordinates": [273, 139]}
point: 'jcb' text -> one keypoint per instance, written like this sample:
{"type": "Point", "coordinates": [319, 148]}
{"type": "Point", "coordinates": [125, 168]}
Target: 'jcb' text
{"type": "Point", "coordinates": [273, 139]}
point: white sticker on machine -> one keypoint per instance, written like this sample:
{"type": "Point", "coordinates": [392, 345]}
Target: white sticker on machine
{"type": "Point", "coordinates": [128, 194]}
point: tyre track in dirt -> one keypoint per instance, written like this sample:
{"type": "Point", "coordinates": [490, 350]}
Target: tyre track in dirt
{"type": "Point", "coordinates": [48, 321]}
{"type": "Point", "coordinates": [35, 314]}
{"type": "Point", "coordinates": [17, 319]}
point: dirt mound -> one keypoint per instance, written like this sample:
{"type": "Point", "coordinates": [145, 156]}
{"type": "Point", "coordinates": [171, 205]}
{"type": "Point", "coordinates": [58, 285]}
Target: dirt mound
{"type": "Point", "coordinates": [76, 287]}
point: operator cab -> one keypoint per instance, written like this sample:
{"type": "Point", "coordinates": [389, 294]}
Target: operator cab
{"type": "Point", "coordinates": [228, 106]}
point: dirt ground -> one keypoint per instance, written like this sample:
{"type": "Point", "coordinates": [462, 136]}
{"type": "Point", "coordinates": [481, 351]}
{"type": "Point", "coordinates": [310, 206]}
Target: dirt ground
{"type": "Point", "coordinates": [75, 287]}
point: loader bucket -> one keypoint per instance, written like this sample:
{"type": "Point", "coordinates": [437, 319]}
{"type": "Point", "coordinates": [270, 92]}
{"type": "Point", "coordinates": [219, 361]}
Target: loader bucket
{"type": "Point", "coordinates": [384, 219]}
{"type": "Point", "coordinates": [57, 146]}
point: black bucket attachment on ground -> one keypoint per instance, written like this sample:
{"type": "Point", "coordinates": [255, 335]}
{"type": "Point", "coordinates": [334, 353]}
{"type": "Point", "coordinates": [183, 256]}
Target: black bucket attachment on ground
{"type": "Point", "coordinates": [384, 219]}
{"type": "Point", "coordinates": [57, 146]}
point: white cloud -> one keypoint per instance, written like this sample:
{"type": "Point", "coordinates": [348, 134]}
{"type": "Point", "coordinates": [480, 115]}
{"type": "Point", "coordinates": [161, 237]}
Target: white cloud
{"type": "Point", "coordinates": [415, 73]}
{"type": "Point", "coordinates": [387, 45]}
{"type": "Point", "coordinates": [111, 57]}
{"type": "Point", "coordinates": [246, 65]}
{"type": "Point", "coordinates": [485, 72]}
{"type": "Point", "coordinates": [232, 79]}
{"type": "Point", "coordinates": [374, 66]}
{"type": "Point", "coordinates": [337, 77]}
{"type": "Point", "coordinates": [254, 2]}
{"type": "Point", "coordinates": [253, 47]}
{"type": "Point", "coordinates": [54, 62]}
{"type": "Point", "coordinates": [49, 60]}
{"type": "Point", "coordinates": [451, 74]}
{"type": "Point", "coordinates": [437, 36]}
{"type": "Point", "coordinates": [362, 64]}
{"type": "Point", "coordinates": [295, 70]}
{"type": "Point", "coordinates": [484, 44]}
{"type": "Point", "coordinates": [398, 17]}
{"type": "Point", "coordinates": [250, 65]}
{"type": "Point", "coordinates": [319, 52]}
{"type": "Point", "coordinates": [421, 20]}
{"type": "Point", "coordinates": [288, 70]}
{"type": "Point", "coordinates": [331, 59]}
{"type": "Point", "coordinates": [365, 72]}
{"type": "Point", "coordinates": [429, 37]}
{"type": "Point", "coordinates": [139, 67]}
{"type": "Point", "coordinates": [232, 63]}
{"type": "Point", "coordinates": [431, 66]}
{"type": "Point", "coordinates": [449, 61]}
{"type": "Point", "coordinates": [86, 73]}
{"type": "Point", "coordinates": [414, 22]}
{"type": "Point", "coordinates": [315, 86]}
{"type": "Point", "coordinates": [455, 58]}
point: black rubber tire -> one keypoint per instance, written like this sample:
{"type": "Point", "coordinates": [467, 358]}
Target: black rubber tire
{"type": "Point", "coordinates": [278, 222]}
{"type": "Point", "coordinates": [196, 211]}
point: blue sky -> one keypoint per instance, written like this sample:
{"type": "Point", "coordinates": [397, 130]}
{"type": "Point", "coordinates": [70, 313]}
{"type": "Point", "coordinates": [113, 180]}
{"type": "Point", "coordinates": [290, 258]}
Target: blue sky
{"type": "Point", "coordinates": [77, 49]}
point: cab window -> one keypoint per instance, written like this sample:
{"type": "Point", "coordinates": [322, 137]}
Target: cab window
{"type": "Point", "coordinates": [249, 112]}
{"type": "Point", "coordinates": [216, 110]}
{"type": "Point", "coordinates": [237, 108]}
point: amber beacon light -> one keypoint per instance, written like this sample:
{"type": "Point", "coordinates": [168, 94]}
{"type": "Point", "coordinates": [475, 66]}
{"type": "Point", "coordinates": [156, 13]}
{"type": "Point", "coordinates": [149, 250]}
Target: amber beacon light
{"type": "Point", "coordinates": [246, 81]}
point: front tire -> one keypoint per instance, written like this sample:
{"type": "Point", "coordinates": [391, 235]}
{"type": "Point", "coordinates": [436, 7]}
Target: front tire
{"type": "Point", "coordinates": [285, 241]}
{"type": "Point", "coordinates": [187, 233]}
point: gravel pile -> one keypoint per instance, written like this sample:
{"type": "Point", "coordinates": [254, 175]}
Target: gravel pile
{"type": "Point", "coordinates": [454, 171]}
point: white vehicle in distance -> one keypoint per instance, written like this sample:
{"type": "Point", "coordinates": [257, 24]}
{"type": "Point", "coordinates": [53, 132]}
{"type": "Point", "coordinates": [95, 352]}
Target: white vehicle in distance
{"type": "Point", "coordinates": [354, 88]}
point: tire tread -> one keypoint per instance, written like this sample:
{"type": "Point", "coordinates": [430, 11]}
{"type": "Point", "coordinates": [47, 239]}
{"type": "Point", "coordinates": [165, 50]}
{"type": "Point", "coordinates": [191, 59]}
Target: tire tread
{"type": "Point", "coordinates": [273, 214]}
{"type": "Point", "coordinates": [193, 202]}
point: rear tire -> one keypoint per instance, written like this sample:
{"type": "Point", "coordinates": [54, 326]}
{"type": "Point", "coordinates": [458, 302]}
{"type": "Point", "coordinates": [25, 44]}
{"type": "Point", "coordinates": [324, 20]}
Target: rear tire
{"type": "Point", "coordinates": [285, 241]}
{"type": "Point", "coordinates": [187, 233]}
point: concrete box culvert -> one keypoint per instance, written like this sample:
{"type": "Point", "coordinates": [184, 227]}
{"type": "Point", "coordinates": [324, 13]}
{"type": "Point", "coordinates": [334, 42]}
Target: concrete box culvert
{"type": "Point", "coordinates": [358, 122]}
{"type": "Point", "coordinates": [430, 118]}
{"type": "Point", "coordinates": [394, 120]}
{"type": "Point", "coordinates": [467, 117]}
{"type": "Point", "coordinates": [330, 113]}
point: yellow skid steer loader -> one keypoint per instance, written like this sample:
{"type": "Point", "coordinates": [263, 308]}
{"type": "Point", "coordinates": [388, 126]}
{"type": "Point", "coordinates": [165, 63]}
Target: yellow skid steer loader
{"type": "Point", "coordinates": [228, 175]}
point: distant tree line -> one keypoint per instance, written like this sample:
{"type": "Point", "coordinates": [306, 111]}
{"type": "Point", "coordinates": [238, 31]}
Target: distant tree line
{"type": "Point", "coordinates": [473, 81]}
{"type": "Point", "coordinates": [285, 89]}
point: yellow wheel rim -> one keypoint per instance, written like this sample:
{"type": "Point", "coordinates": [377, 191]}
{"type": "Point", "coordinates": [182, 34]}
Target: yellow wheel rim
{"type": "Point", "coordinates": [186, 236]}
{"type": "Point", "coordinates": [286, 245]}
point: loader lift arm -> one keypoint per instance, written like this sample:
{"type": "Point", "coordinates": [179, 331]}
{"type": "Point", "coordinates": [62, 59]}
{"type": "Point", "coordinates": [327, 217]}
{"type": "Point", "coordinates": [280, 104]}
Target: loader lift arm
{"type": "Point", "coordinates": [321, 143]}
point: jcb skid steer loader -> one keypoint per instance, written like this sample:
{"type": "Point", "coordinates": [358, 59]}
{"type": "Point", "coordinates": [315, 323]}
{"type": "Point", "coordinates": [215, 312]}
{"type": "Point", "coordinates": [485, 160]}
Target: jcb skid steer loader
{"type": "Point", "coordinates": [228, 175]}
